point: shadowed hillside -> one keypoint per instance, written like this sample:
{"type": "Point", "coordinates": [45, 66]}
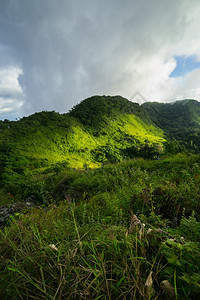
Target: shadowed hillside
{"type": "Point", "coordinates": [180, 120]}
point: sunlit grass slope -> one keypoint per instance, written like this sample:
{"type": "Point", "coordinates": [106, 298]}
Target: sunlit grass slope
{"type": "Point", "coordinates": [97, 130]}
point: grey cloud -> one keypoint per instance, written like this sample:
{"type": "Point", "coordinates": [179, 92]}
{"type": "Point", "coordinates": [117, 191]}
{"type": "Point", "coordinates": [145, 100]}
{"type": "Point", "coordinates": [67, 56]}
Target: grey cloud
{"type": "Point", "coordinates": [69, 50]}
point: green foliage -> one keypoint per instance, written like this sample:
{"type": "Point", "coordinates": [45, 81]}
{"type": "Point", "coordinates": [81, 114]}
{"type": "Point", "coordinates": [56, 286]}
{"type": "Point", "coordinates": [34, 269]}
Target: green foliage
{"type": "Point", "coordinates": [183, 258]}
{"type": "Point", "coordinates": [190, 228]}
{"type": "Point", "coordinates": [94, 111]}
{"type": "Point", "coordinates": [88, 246]}
{"type": "Point", "coordinates": [179, 120]}
{"type": "Point", "coordinates": [98, 130]}
{"type": "Point", "coordinates": [83, 246]}
{"type": "Point", "coordinates": [62, 253]}
{"type": "Point", "coordinates": [163, 186]}
{"type": "Point", "coordinates": [6, 198]}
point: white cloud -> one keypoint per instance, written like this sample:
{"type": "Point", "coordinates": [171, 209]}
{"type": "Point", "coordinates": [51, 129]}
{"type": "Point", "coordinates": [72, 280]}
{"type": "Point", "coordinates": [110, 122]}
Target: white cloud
{"type": "Point", "coordinates": [69, 50]}
{"type": "Point", "coordinates": [9, 82]}
{"type": "Point", "coordinates": [11, 93]}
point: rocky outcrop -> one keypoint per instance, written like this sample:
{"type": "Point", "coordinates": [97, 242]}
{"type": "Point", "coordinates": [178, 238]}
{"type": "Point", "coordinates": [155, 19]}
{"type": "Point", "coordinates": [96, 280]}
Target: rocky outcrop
{"type": "Point", "coordinates": [9, 210]}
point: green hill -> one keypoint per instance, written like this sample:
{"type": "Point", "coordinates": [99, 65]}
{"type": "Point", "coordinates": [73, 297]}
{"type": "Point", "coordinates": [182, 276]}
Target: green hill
{"type": "Point", "coordinates": [179, 120]}
{"type": "Point", "coordinates": [98, 130]}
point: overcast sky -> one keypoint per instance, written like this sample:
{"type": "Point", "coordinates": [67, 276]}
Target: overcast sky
{"type": "Point", "coordinates": [55, 53]}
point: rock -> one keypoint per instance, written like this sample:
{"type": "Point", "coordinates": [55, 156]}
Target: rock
{"type": "Point", "coordinates": [30, 204]}
{"type": "Point", "coordinates": [31, 199]}
{"type": "Point", "coordinates": [9, 210]}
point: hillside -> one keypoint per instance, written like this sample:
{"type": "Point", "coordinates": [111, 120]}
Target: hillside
{"type": "Point", "coordinates": [179, 120]}
{"type": "Point", "coordinates": [98, 130]}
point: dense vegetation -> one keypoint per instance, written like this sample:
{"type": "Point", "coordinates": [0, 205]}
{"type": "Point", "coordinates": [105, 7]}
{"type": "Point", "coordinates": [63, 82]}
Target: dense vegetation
{"type": "Point", "coordinates": [108, 223]}
{"type": "Point", "coordinates": [97, 131]}
{"type": "Point", "coordinates": [179, 120]}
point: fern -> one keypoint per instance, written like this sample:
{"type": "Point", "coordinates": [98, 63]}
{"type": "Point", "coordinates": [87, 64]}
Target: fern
{"type": "Point", "coordinates": [190, 228]}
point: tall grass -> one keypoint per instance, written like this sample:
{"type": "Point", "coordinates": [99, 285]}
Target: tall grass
{"type": "Point", "coordinates": [92, 246]}
{"type": "Point", "coordinates": [51, 254]}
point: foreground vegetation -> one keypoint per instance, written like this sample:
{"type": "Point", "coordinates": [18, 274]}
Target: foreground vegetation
{"type": "Point", "coordinates": [128, 230]}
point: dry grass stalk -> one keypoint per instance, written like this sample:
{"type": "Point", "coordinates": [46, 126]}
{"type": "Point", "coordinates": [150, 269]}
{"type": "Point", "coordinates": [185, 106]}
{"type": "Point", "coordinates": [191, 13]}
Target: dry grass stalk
{"type": "Point", "coordinates": [135, 222]}
{"type": "Point", "coordinates": [148, 287]}
{"type": "Point", "coordinates": [166, 286]}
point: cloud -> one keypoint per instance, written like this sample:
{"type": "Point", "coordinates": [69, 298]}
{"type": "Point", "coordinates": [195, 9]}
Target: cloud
{"type": "Point", "coordinates": [11, 93]}
{"type": "Point", "coordinates": [69, 50]}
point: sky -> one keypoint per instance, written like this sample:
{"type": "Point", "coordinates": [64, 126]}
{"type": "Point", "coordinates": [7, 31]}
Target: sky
{"type": "Point", "coordinates": [184, 65]}
{"type": "Point", "coordinates": [55, 53]}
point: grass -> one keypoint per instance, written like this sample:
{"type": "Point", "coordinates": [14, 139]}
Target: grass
{"type": "Point", "coordinates": [91, 246]}
{"type": "Point", "coordinates": [133, 125]}
{"type": "Point", "coordinates": [51, 254]}
{"type": "Point", "coordinates": [6, 198]}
